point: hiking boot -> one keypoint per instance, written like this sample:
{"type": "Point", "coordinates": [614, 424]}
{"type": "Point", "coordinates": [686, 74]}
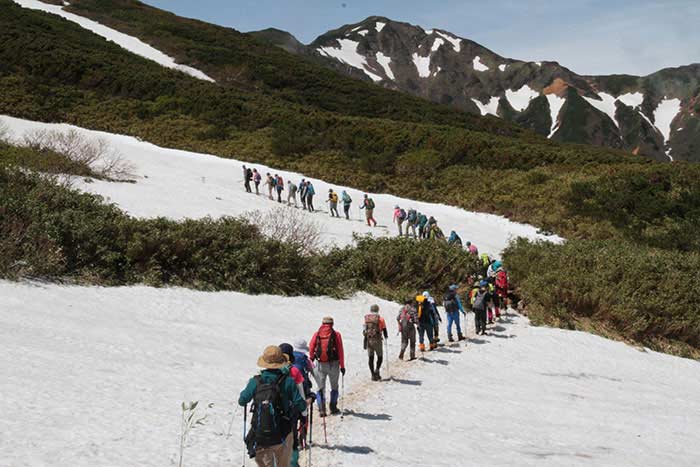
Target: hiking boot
{"type": "Point", "coordinates": [401, 356]}
{"type": "Point", "coordinates": [377, 377]}
{"type": "Point", "coordinates": [460, 337]}
{"type": "Point", "coordinates": [450, 338]}
{"type": "Point", "coordinates": [413, 357]}
{"type": "Point", "coordinates": [421, 347]}
{"type": "Point", "coordinates": [433, 346]}
{"type": "Point", "coordinates": [334, 408]}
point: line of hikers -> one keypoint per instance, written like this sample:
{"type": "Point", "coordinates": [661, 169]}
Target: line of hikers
{"type": "Point", "coordinates": [282, 397]}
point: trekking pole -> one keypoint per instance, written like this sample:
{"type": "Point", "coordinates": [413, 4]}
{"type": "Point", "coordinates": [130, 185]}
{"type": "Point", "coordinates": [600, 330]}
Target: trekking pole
{"type": "Point", "coordinates": [342, 397]}
{"type": "Point", "coordinates": [245, 422]}
{"type": "Point", "coordinates": [311, 433]}
{"type": "Point", "coordinates": [388, 357]}
{"type": "Point", "coordinates": [325, 434]}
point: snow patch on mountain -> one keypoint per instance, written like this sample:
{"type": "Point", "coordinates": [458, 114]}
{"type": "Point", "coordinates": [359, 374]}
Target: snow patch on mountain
{"type": "Point", "coordinates": [478, 65]}
{"type": "Point", "coordinates": [437, 43]}
{"type": "Point", "coordinates": [521, 98]}
{"type": "Point", "coordinates": [379, 26]}
{"type": "Point", "coordinates": [130, 43]}
{"type": "Point", "coordinates": [555, 105]}
{"type": "Point", "coordinates": [187, 185]}
{"type": "Point", "coordinates": [385, 62]}
{"type": "Point", "coordinates": [490, 108]}
{"type": "Point", "coordinates": [632, 99]}
{"type": "Point", "coordinates": [347, 53]}
{"type": "Point", "coordinates": [502, 67]}
{"type": "Point", "coordinates": [422, 65]}
{"type": "Point", "coordinates": [664, 114]}
{"type": "Point", "coordinates": [455, 41]}
{"type": "Point", "coordinates": [363, 33]}
{"type": "Point", "coordinates": [606, 104]}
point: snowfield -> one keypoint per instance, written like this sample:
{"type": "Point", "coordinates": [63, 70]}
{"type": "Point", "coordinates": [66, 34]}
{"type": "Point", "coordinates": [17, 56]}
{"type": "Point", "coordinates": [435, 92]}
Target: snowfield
{"type": "Point", "coordinates": [181, 184]}
{"type": "Point", "coordinates": [555, 105]}
{"type": "Point", "coordinates": [520, 99]}
{"type": "Point", "coordinates": [347, 53]}
{"type": "Point", "coordinates": [489, 108]}
{"type": "Point", "coordinates": [95, 377]}
{"type": "Point", "coordinates": [129, 43]}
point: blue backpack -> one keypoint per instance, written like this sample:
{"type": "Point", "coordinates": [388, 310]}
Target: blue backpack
{"type": "Point", "coordinates": [301, 362]}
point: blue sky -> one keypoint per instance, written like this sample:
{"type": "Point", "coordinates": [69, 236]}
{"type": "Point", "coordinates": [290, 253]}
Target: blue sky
{"type": "Point", "coordinates": [588, 36]}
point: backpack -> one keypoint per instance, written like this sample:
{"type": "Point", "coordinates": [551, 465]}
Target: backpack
{"type": "Point", "coordinates": [480, 301]}
{"type": "Point", "coordinates": [412, 215]}
{"type": "Point", "coordinates": [268, 412]}
{"type": "Point", "coordinates": [402, 214]}
{"type": "Point", "coordinates": [257, 177]}
{"type": "Point", "coordinates": [249, 174]}
{"type": "Point", "coordinates": [501, 280]}
{"type": "Point", "coordinates": [301, 362]}
{"type": "Point", "coordinates": [406, 320]}
{"type": "Point", "coordinates": [331, 348]}
{"type": "Point", "coordinates": [273, 181]}
{"type": "Point", "coordinates": [347, 199]}
{"type": "Point", "coordinates": [372, 331]}
{"type": "Point", "coordinates": [450, 300]}
{"type": "Point", "coordinates": [280, 182]}
{"type": "Point", "coordinates": [370, 203]}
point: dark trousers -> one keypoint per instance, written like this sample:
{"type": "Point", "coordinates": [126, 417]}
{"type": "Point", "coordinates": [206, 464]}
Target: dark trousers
{"type": "Point", "coordinates": [480, 320]}
{"type": "Point", "coordinates": [408, 338]}
{"type": "Point", "coordinates": [257, 188]}
{"type": "Point", "coordinates": [310, 202]}
{"type": "Point", "coordinates": [346, 208]}
{"type": "Point", "coordinates": [247, 186]}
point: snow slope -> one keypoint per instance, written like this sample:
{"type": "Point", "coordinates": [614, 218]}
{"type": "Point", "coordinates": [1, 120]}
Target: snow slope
{"type": "Point", "coordinates": [347, 53]}
{"type": "Point", "coordinates": [478, 65]}
{"type": "Point", "coordinates": [490, 108]}
{"type": "Point", "coordinates": [385, 62]}
{"type": "Point", "coordinates": [605, 104]}
{"type": "Point", "coordinates": [521, 98]}
{"type": "Point", "coordinates": [95, 377]}
{"type": "Point", "coordinates": [129, 43]}
{"type": "Point", "coordinates": [555, 105]}
{"type": "Point", "coordinates": [422, 65]}
{"type": "Point", "coordinates": [181, 184]}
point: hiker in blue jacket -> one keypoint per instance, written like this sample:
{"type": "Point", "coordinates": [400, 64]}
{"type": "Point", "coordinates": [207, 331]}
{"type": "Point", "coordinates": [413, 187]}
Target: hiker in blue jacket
{"type": "Point", "coordinates": [310, 192]}
{"type": "Point", "coordinates": [276, 447]}
{"type": "Point", "coordinates": [453, 307]}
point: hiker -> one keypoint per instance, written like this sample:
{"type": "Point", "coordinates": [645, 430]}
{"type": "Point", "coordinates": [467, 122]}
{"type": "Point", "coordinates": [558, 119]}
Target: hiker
{"type": "Point", "coordinates": [472, 249]}
{"type": "Point", "coordinates": [347, 201]}
{"type": "Point", "coordinates": [411, 222]}
{"type": "Point", "coordinates": [368, 205]}
{"type": "Point", "coordinates": [453, 307]}
{"type": "Point", "coordinates": [501, 296]}
{"type": "Point", "coordinates": [257, 178]}
{"type": "Point", "coordinates": [480, 301]}
{"type": "Point", "coordinates": [425, 322]}
{"type": "Point", "coordinates": [299, 367]}
{"type": "Point", "coordinates": [373, 330]}
{"type": "Point", "coordinates": [408, 320]}
{"type": "Point", "coordinates": [437, 319]}
{"type": "Point", "coordinates": [436, 233]}
{"type": "Point", "coordinates": [310, 192]}
{"type": "Point", "coordinates": [333, 203]}
{"type": "Point", "coordinates": [327, 349]}
{"type": "Point", "coordinates": [422, 226]}
{"type": "Point", "coordinates": [291, 193]}
{"type": "Point", "coordinates": [399, 217]}
{"type": "Point", "coordinates": [247, 177]}
{"type": "Point", "coordinates": [454, 239]}
{"type": "Point", "coordinates": [279, 186]}
{"type": "Point", "coordinates": [302, 193]}
{"type": "Point", "coordinates": [270, 184]}
{"type": "Point", "coordinates": [275, 400]}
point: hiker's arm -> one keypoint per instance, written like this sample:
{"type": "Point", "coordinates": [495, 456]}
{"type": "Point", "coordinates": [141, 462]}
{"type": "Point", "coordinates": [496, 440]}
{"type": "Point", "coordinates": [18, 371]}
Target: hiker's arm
{"type": "Point", "coordinates": [312, 347]}
{"type": "Point", "coordinates": [298, 400]}
{"type": "Point", "coordinates": [248, 393]}
{"type": "Point", "coordinates": [341, 352]}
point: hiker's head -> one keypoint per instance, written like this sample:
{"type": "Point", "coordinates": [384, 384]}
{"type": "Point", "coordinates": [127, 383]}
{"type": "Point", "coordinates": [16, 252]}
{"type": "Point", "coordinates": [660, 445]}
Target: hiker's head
{"type": "Point", "coordinates": [469, 243]}
{"type": "Point", "coordinates": [396, 207]}
{"type": "Point", "coordinates": [483, 284]}
{"type": "Point", "coordinates": [272, 358]}
{"type": "Point", "coordinates": [365, 195]}
{"type": "Point", "coordinates": [374, 308]}
{"type": "Point", "coordinates": [327, 320]}
{"type": "Point", "coordinates": [453, 287]}
{"type": "Point", "coordinates": [330, 190]}
{"type": "Point", "coordinates": [408, 300]}
{"type": "Point", "coordinates": [426, 294]}
{"type": "Point", "coordinates": [287, 350]}
{"type": "Point", "coordinates": [301, 345]}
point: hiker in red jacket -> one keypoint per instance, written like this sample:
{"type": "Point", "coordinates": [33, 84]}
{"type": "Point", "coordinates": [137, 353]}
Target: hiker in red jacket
{"type": "Point", "coordinates": [501, 295]}
{"type": "Point", "coordinates": [326, 348]}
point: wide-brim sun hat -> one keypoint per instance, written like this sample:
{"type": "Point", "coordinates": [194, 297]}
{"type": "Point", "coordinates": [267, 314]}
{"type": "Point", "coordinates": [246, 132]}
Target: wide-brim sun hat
{"type": "Point", "coordinates": [272, 358]}
{"type": "Point", "coordinates": [302, 345]}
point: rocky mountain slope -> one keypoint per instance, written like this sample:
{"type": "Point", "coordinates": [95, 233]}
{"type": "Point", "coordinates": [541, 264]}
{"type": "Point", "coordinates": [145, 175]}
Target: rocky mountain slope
{"type": "Point", "coordinates": [654, 115]}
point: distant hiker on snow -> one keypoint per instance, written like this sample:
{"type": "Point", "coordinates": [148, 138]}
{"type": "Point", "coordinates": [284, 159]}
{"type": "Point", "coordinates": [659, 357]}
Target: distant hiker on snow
{"type": "Point", "coordinates": [412, 222]}
{"type": "Point", "coordinates": [399, 218]}
{"type": "Point", "coordinates": [276, 400]}
{"type": "Point", "coordinates": [436, 316]}
{"type": "Point", "coordinates": [472, 249]}
{"type": "Point", "coordinates": [501, 295]}
{"type": "Point", "coordinates": [368, 206]}
{"type": "Point", "coordinates": [291, 193]}
{"type": "Point", "coordinates": [373, 329]}
{"type": "Point", "coordinates": [333, 203]}
{"type": "Point", "coordinates": [270, 184]}
{"type": "Point", "coordinates": [425, 322]}
{"type": "Point", "coordinates": [480, 302]}
{"type": "Point", "coordinates": [453, 307]}
{"type": "Point", "coordinates": [327, 349]}
{"type": "Point", "coordinates": [422, 226]}
{"type": "Point", "coordinates": [247, 177]}
{"type": "Point", "coordinates": [310, 192]}
{"type": "Point", "coordinates": [256, 178]}
{"type": "Point", "coordinates": [279, 186]}
{"type": "Point", "coordinates": [347, 201]}
{"type": "Point", "coordinates": [302, 193]}
{"type": "Point", "coordinates": [408, 320]}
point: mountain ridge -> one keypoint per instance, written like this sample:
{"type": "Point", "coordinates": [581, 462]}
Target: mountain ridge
{"type": "Point", "coordinates": [618, 110]}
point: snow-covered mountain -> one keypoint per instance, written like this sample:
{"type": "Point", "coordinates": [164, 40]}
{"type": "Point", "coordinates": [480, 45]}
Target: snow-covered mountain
{"type": "Point", "coordinates": [655, 115]}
